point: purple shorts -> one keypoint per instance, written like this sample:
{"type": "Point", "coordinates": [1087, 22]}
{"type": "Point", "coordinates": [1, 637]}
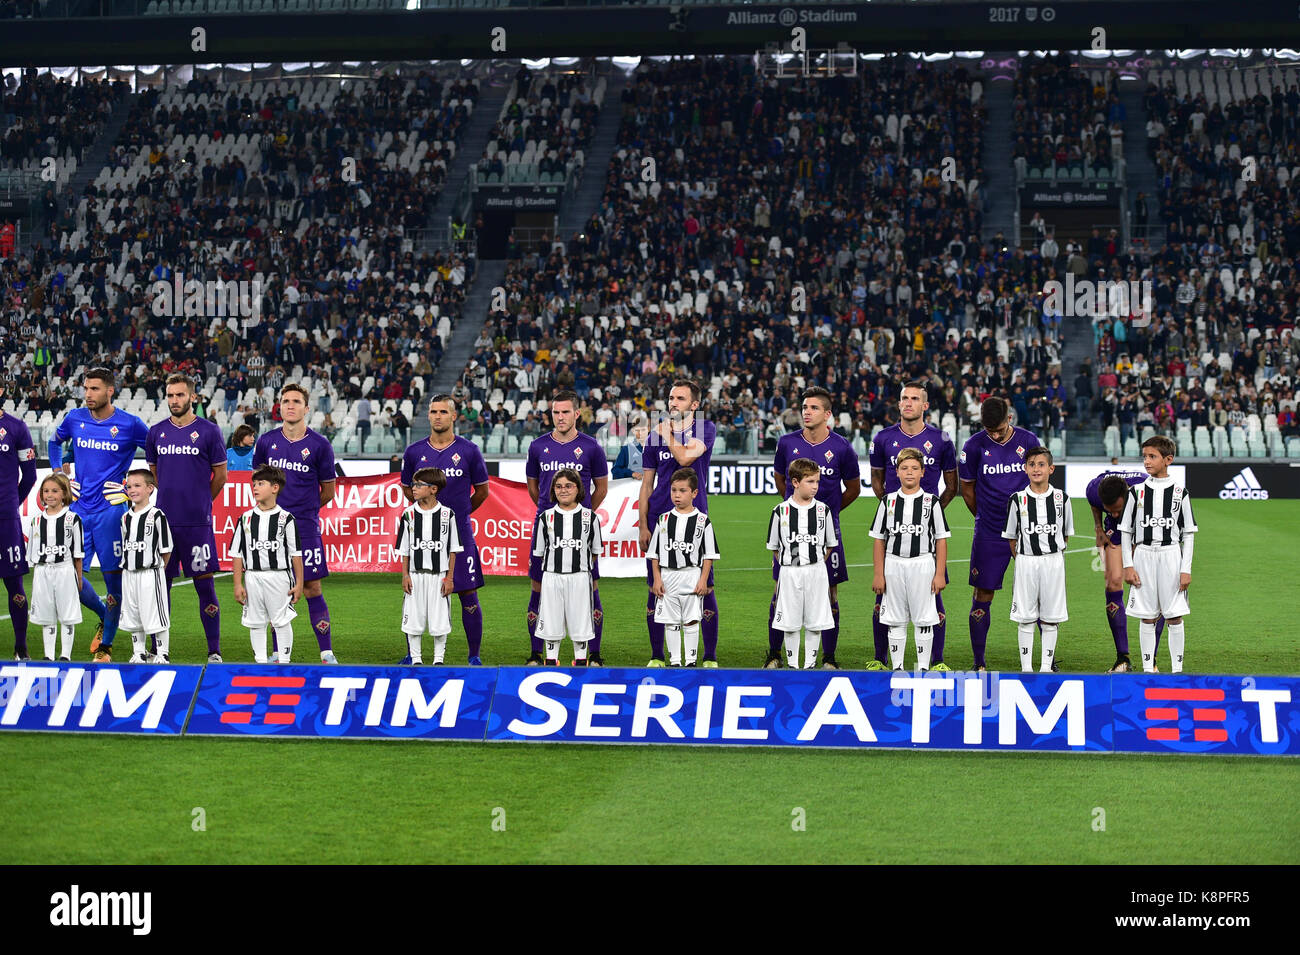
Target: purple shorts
{"type": "Point", "coordinates": [13, 549]}
{"type": "Point", "coordinates": [313, 557]}
{"type": "Point", "coordinates": [535, 560]}
{"type": "Point", "coordinates": [1111, 526]}
{"type": "Point", "coordinates": [194, 551]}
{"type": "Point", "coordinates": [468, 573]}
{"type": "Point", "coordinates": [837, 568]}
{"type": "Point", "coordinates": [989, 559]}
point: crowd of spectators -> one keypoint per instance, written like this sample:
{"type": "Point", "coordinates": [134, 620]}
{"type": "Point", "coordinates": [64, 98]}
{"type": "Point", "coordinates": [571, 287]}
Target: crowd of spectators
{"type": "Point", "coordinates": [44, 116]}
{"type": "Point", "coordinates": [1060, 115]}
{"type": "Point", "coordinates": [553, 114]}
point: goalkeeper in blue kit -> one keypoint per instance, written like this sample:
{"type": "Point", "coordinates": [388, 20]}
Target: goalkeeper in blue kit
{"type": "Point", "coordinates": [104, 442]}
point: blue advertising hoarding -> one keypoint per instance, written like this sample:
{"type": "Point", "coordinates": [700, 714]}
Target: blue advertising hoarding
{"type": "Point", "coordinates": [97, 698]}
{"type": "Point", "coordinates": [344, 701]}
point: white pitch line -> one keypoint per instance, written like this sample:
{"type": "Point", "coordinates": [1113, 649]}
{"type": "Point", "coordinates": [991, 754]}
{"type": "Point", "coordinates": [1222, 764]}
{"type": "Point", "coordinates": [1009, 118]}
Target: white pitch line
{"type": "Point", "coordinates": [182, 583]}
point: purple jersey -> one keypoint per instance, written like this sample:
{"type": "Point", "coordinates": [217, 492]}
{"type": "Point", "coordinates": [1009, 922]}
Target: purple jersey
{"type": "Point", "coordinates": [17, 465]}
{"type": "Point", "coordinates": [307, 464]}
{"type": "Point", "coordinates": [833, 454]}
{"type": "Point", "coordinates": [547, 454]}
{"type": "Point", "coordinates": [465, 468]}
{"type": "Point", "coordinates": [185, 456]}
{"type": "Point", "coordinates": [657, 455]}
{"type": "Point", "coordinates": [938, 454]}
{"type": "Point", "coordinates": [998, 471]}
{"type": "Point", "coordinates": [1093, 493]}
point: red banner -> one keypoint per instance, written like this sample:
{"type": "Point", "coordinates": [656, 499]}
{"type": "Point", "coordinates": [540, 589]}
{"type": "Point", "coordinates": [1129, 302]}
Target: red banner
{"type": "Point", "coordinates": [359, 527]}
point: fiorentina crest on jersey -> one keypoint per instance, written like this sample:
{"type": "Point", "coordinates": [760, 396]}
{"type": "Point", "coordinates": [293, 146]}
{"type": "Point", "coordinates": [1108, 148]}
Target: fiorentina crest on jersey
{"type": "Point", "coordinates": [927, 447]}
{"type": "Point", "coordinates": [113, 431]}
{"type": "Point", "coordinates": [577, 452]}
{"type": "Point", "coordinates": [455, 458]}
{"type": "Point", "coordinates": [1020, 451]}
{"type": "Point", "coordinates": [194, 436]}
{"type": "Point", "coordinates": [305, 452]}
{"type": "Point", "coordinates": [829, 456]}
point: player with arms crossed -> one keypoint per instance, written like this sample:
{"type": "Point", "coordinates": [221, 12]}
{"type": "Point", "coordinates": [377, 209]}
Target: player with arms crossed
{"type": "Point", "coordinates": [104, 441]}
{"type": "Point", "coordinates": [679, 441]}
{"type": "Point", "coordinates": [306, 458]}
{"type": "Point", "coordinates": [186, 452]}
{"type": "Point", "coordinates": [1106, 494]}
{"type": "Point", "coordinates": [840, 486]}
{"type": "Point", "coordinates": [467, 488]}
{"type": "Point", "coordinates": [992, 468]}
{"type": "Point", "coordinates": [1158, 529]}
{"type": "Point", "coordinates": [564, 447]}
{"type": "Point", "coordinates": [17, 478]}
{"type": "Point", "coordinates": [909, 559]}
{"type": "Point", "coordinates": [938, 457]}
{"type": "Point", "coordinates": [1040, 523]}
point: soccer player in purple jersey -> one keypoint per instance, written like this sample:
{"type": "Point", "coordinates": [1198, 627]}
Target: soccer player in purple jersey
{"type": "Point", "coordinates": [564, 447]}
{"type": "Point", "coordinates": [679, 441]}
{"type": "Point", "coordinates": [991, 468]}
{"type": "Point", "coordinates": [307, 459]}
{"type": "Point", "coordinates": [1107, 493]}
{"type": "Point", "coordinates": [938, 456]}
{"type": "Point", "coordinates": [840, 486]}
{"type": "Point", "coordinates": [185, 452]}
{"type": "Point", "coordinates": [17, 478]}
{"type": "Point", "coordinates": [467, 488]}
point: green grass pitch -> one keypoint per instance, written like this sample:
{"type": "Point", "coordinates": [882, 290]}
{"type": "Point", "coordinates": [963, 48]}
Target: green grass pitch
{"type": "Point", "coordinates": [299, 800]}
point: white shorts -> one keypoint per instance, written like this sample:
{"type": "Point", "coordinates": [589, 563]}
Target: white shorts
{"type": "Point", "coordinates": [425, 608]}
{"type": "Point", "coordinates": [1039, 589]}
{"type": "Point", "coordinates": [54, 595]}
{"type": "Point", "coordinates": [679, 605]}
{"type": "Point", "coordinates": [1159, 570]}
{"type": "Point", "coordinates": [144, 601]}
{"type": "Point", "coordinates": [268, 598]}
{"type": "Point", "coordinates": [803, 598]}
{"type": "Point", "coordinates": [907, 595]}
{"type": "Point", "coordinates": [565, 607]}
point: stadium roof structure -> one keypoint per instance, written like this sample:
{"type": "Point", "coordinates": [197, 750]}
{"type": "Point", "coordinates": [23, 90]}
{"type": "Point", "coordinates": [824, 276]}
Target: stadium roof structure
{"type": "Point", "coordinates": [275, 30]}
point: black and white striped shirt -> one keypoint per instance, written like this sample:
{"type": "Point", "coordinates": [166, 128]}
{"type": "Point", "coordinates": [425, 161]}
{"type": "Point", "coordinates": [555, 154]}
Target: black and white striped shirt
{"type": "Point", "coordinates": [55, 538]}
{"type": "Point", "coordinates": [1157, 513]}
{"type": "Point", "coordinates": [146, 539]}
{"type": "Point", "coordinates": [800, 535]}
{"type": "Point", "coordinates": [909, 524]}
{"type": "Point", "coordinates": [1042, 523]}
{"type": "Point", "coordinates": [428, 537]}
{"type": "Point", "coordinates": [681, 541]}
{"type": "Point", "coordinates": [568, 541]}
{"type": "Point", "coordinates": [266, 540]}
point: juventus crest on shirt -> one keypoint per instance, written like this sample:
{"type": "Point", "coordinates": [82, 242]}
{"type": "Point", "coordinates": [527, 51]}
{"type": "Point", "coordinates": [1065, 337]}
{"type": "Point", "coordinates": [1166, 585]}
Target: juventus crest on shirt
{"type": "Point", "coordinates": [55, 538]}
{"type": "Point", "coordinates": [1041, 523]}
{"type": "Point", "coordinates": [800, 534]}
{"type": "Point", "coordinates": [909, 524]}
{"type": "Point", "coordinates": [681, 541]}
{"type": "Point", "coordinates": [428, 537]}
{"type": "Point", "coordinates": [146, 539]}
{"type": "Point", "coordinates": [568, 541]}
{"type": "Point", "coordinates": [266, 540]}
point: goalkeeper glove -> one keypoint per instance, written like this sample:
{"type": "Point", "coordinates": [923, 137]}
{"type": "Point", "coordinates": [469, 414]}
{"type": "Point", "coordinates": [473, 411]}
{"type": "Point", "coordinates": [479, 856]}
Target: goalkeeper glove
{"type": "Point", "coordinates": [113, 492]}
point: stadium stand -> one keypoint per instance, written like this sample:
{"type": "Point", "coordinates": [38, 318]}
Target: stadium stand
{"type": "Point", "coordinates": [543, 131]}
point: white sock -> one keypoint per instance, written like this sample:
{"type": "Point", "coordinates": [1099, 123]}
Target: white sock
{"type": "Point", "coordinates": [164, 641]}
{"type": "Point", "coordinates": [1050, 632]}
{"type": "Point", "coordinates": [691, 642]}
{"type": "Point", "coordinates": [47, 635]}
{"type": "Point", "coordinates": [284, 638]}
{"type": "Point", "coordinates": [1025, 635]}
{"type": "Point", "coordinates": [792, 649]}
{"type": "Point", "coordinates": [673, 643]}
{"type": "Point", "coordinates": [440, 648]}
{"type": "Point", "coordinates": [924, 644]}
{"type": "Point", "coordinates": [552, 651]}
{"type": "Point", "coordinates": [1147, 638]}
{"type": "Point", "coordinates": [579, 649]}
{"type": "Point", "coordinates": [812, 642]}
{"type": "Point", "coordinates": [259, 645]}
{"type": "Point", "coordinates": [897, 646]}
{"type": "Point", "coordinates": [68, 630]}
{"type": "Point", "coordinates": [413, 647]}
{"type": "Point", "coordinates": [1177, 640]}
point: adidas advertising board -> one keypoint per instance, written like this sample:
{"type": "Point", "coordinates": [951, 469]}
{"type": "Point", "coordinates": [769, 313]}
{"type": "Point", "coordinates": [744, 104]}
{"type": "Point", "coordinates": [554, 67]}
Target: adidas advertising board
{"type": "Point", "coordinates": [1085, 713]}
{"type": "Point", "coordinates": [1245, 481]}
